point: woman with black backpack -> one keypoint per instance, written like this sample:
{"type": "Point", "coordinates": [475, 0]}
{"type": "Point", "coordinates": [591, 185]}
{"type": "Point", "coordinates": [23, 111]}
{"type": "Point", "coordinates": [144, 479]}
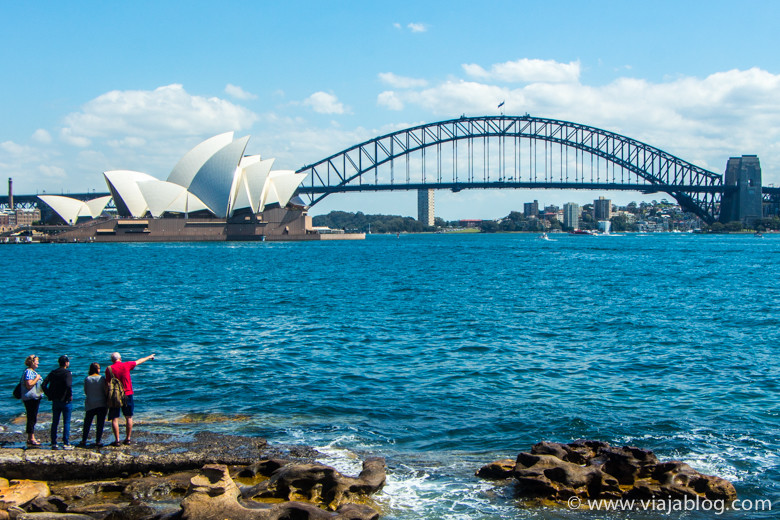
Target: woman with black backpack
{"type": "Point", "coordinates": [31, 396]}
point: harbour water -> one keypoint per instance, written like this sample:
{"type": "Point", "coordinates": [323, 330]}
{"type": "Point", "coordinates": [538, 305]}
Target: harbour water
{"type": "Point", "coordinates": [439, 352]}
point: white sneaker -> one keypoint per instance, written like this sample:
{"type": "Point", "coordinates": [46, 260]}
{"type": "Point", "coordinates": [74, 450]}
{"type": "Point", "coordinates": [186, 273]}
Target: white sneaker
{"type": "Point", "coordinates": [67, 446]}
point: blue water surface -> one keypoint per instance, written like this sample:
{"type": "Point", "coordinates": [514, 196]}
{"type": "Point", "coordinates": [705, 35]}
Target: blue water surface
{"type": "Point", "coordinates": [439, 352]}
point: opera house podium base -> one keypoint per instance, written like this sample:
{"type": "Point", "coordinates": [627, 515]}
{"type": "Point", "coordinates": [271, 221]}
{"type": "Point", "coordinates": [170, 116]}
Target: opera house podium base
{"type": "Point", "coordinates": [278, 224]}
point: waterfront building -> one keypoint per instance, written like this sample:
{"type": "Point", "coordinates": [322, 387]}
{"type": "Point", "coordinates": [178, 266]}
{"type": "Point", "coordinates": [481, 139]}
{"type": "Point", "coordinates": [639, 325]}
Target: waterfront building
{"type": "Point", "coordinates": [531, 209]}
{"type": "Point", "coordinates": [470, 223]}
{"type": "Point", "coordinates": [602, 209]}
{"type": "Point", "coordinates": [15, 218]}
{"type": "Point", "coordinates": [213, 193]}
{"type": "Point", "coordinates": [425, 207]}
{"type": "Point", "coordinates": [214, 179]}
{"type": "Point", "coordinates": [571, 215]}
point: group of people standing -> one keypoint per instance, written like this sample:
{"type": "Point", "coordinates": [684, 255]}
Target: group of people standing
{"type": "Point", "coordinates": [58, 387]}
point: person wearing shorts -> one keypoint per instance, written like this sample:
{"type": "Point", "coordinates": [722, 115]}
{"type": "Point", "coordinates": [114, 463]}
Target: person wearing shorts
{"type": "Point", "coordinates": [121, 370]}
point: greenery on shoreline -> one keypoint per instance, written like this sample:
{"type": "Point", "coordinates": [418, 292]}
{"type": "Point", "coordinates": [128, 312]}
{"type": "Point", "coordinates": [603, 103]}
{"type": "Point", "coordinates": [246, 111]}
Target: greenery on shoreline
{"type": "Point", "coordinates": [361, 223]}
{"type": "Point", "coordinates": [517, 222]}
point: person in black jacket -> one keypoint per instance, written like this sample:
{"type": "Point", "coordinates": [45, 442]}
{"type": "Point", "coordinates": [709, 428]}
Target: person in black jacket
{"type": "Point", "coordinates": [58, 388]}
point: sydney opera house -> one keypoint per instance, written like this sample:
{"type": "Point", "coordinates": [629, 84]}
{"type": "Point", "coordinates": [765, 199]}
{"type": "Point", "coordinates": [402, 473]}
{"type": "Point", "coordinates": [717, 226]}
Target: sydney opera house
{"type": "Point", "coordinates": [214, 192]}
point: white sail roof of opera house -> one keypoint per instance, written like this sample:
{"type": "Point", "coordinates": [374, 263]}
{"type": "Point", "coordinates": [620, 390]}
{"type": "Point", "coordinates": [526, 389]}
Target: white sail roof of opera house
{"type": "Point", "coordinates": [214, 175]}
{"type": "Point", "coordinates": [213, 184]}
{"type": "Point", "coordinates": [70, 209]}
{"type": "Point", "coordinates": [251, 181]}
{"type": "Point", "coordinates": [189, 165]}
{"type": "Point", "coordinates": [128, 199]}
{"type": "Point", "coordinates": [281, 187]}
{"type": "Point", "coordinates": [162, 196]}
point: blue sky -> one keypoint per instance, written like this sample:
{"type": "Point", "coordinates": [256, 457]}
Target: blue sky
{"type": "Point", "coordinates": [95, 86]}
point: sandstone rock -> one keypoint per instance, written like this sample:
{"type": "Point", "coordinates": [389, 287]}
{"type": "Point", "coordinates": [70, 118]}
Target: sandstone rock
{"type": "Point", "coordinates": [50, 504]}
{"type": "Point", "coordinates": [596, 470]}
{"type": "Point", "coordinates": [134, 511]}
{"type": "Point", "coordinates": [145, 488]}
{"type": "Point", "coordinates": [321, 484]}
{"type": "Point", "coordinates": [86, 491]}
{"type": "Point", "coordinates": [497, 470]}
{"type": "Point", "coordinates": [53, 516]}
{"type": "Point", "coordinates": [683, 479]}
{"type": "Point", "coordinates": [356, 512]}
{"type": "Point", "coordinates": [110, 462]}
{"type": "Point", "coordinates": [264, 467]}
{"type": "Point", "coordinates": [98, 510]}
{"type": "Point", "coordinates": [22, 492]}
{"type": "Point", "coordinates": [213, 495]}
{"type": "Point", "coordinates": [626, 464]}
{"type": "Point", "coordinates": [550, 477]}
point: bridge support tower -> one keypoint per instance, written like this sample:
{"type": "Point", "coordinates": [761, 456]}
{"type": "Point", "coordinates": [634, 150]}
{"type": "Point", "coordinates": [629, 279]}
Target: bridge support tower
{"type": "Point", "coordinates": [745, 203]}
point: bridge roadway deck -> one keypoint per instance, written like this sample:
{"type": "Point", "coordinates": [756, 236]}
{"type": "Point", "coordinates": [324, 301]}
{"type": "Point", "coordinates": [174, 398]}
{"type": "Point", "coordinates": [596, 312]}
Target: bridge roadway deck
{"type": "Point", "coordinates": [458, 186]}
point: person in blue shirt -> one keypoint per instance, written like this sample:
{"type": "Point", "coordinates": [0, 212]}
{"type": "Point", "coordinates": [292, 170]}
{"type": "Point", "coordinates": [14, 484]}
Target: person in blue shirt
{"type": "Point", "coordinates": [31, 396]}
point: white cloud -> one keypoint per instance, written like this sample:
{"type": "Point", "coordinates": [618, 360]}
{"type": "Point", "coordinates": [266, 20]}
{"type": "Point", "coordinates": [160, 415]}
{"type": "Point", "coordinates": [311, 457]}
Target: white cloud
{"type": "Point", "coordinates": [455, 97]}
{"type": "Point", "coordinates": [417, 27]}
{"type": "Point", "coordinates": [52, 172]}
{"type": "Point", "coordinates": [527, 71]}
{"type": "Point", "coordinates": [153, 114]}
{"type": "Point", "coordinates": [14, 149]}
{"type": "Point", "coordinates": [41, 136]}
{"type": "Point", "coordinates": [702, 120]}
{"type": "Point", "coordinates": [238, 93]}
{"type": "Point", "coordinates": [397, 25]}
{"type": "Point", "coordinates": [324, 103]}
{"type": "Point", "coordinates": [396, 81]}
{"type": "Point", "coordinates": [128, 142]}
{"type": "Point", "coordinates": [389, 100]}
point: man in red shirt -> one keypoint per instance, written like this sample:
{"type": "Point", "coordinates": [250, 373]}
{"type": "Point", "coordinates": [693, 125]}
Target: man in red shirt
{"type": "Point", "coordinates": [121, 370]}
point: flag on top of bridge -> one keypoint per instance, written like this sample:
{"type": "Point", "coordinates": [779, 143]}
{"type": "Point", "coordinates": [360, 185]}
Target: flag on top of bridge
{"type": "Point", "coordinates": [500, 104]}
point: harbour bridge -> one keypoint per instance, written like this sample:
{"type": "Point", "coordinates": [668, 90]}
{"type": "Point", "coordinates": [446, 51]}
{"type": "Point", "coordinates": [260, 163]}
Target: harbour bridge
{"type": "Point", "coordinates": [525, 152]}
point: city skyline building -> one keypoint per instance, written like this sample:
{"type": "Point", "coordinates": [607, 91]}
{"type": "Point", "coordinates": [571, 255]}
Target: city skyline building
{"type": "Point", "coordinates": [571, 215]}
{"type": "Point", "coordinates": [602, 209]}
{"type": "Point", "coordinates": [426, 209]}
{"type": "Point", "coordinates": [531, 209]}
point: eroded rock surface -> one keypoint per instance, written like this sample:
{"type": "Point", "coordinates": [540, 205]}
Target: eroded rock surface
{"type": "Point", "coordinates": [162, 479]}
{"type": "Point", "coordinates": [596, 470]}
{"type": "Point", "coordinates": [164, 455]}
{"type": "Point", "coordinates": [213, 495]}
{"type": "Point", "coordinates": [320, 484]}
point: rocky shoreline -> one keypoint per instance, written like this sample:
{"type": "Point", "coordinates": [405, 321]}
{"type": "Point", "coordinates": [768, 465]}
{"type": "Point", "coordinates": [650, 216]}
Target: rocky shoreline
{"type": "Point", "coordinates": [211, 476]}
{"type": "Point", "coordinates": [594, 470]}
{"type": "Point", "coordinates": [163, 477]}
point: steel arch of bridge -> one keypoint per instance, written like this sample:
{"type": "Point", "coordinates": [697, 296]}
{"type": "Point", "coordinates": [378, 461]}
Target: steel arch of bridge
{"type": "Point", "coordinates": [642, 167]}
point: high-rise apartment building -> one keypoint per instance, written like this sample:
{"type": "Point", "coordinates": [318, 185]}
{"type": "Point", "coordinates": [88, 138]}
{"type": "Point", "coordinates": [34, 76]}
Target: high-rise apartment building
{"type": "Point", "coordinates": [425, 207]}
{"type": "Point", "coordinates": [571, 215]}
{"type": "Point", "coordinates": [531, 209]}
{"type": "Point", "coordinates": [602, 209]}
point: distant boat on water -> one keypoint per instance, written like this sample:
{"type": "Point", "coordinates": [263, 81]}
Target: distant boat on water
{"type": "Point", "coordinates": [544, 236]}
{"type": "Point", "coordinates": [582, 232]}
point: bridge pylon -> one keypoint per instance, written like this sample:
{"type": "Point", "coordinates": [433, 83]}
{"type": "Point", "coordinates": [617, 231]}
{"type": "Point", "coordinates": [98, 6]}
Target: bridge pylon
{"type": "Point", "coordinates": [745, 203]}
